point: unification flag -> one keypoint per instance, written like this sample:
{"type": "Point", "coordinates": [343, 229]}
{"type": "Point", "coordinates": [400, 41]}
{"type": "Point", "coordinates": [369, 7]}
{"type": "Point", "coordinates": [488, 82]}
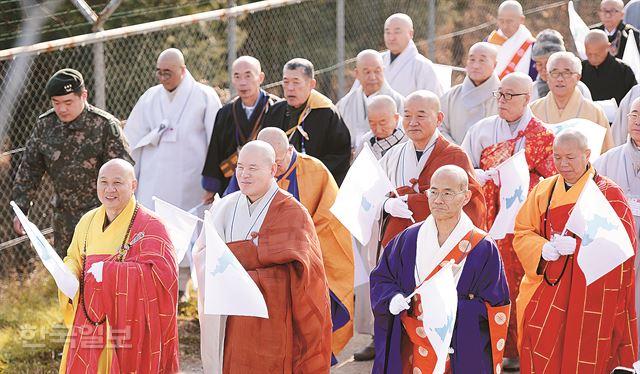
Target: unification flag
{"type": "Point", "coordinates": [361, 195]}
{"type": "Point", "coordinates": [514, 187]}
{"type": "Point", "coordinates": [229, 290]}
{"type": "Point", "coordinates": [631, 56]}
{"type": "Point", "coordinates": [605, 243]}
{"type": "Point", "coordinates": [180, 226]}
{"type": "Point", "coordinates": [66, 281]}
{"type": "Point", "coordinates": [579, 31]}
{"type": "Point", "coordinates": [594, 133]}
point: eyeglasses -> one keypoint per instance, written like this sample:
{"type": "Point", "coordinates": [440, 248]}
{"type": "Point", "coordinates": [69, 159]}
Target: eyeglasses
{"type": "Point", "coordinates": [507, 96]}
{"type": "Point", "coordinates": [164, 74]}
{"type": "Point", "coordinates": [565, 74]}
{"type": "Point", "coordinates": [446, 195]}
{"type": "Point", "coordinates": [633, 117]}
{"type": "Point", "coordinates": [608, 12]}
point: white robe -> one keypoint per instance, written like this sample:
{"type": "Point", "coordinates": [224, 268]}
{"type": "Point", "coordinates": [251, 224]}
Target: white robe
{"type": "Point", "coordinates": [508, 49]}
{"type": "Point", "coordinates": [619, 128]}
{"type": "Point", "coordinates": [622, 165]}
{"type": "Point", "coordinates": [169, 141]}
{"type": "Point", "coordinates": [490, 131]}
{"type": "Point", "coordinates": [234, 219]}
{"type": "Point", "coordinates": [466, 104]}
{"type": "Point", "coordinates": [411, 71]}
{"type": "Point", "coordinates": [353, 109]}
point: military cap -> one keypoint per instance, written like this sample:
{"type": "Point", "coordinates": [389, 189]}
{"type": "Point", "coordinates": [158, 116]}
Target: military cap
{"type": "Point", "coordinates": [64, 82]}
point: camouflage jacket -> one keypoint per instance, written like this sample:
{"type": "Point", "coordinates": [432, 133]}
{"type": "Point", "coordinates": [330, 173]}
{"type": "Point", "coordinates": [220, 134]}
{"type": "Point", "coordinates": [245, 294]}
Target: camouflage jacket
{"type": "Point", "coordinates": [71, 154]}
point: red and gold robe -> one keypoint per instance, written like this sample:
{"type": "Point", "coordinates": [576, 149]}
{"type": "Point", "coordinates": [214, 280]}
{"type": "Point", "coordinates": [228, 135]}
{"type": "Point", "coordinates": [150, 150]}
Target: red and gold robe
{"type": "Point", "coordinates": [444, 153]}
{"type": "Point", "coordinates": [571, 327]}
{"type": "Point", "coordinates": [538, 150]}
{"type": "Point", "coordinates": [137, 297]}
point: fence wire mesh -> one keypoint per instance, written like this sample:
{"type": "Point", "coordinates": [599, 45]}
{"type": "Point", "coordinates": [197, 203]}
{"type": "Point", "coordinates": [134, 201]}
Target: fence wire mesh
{"type": "Point", "coordinates": [306, 29]}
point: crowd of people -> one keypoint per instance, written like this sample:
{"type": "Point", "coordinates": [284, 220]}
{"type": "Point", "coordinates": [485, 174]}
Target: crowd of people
{"type": "Point", "coordinates": [523, 301]}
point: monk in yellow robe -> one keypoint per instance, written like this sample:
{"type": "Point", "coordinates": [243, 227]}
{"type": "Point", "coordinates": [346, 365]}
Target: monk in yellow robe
{"type": "Point", "coordinates": [311, 183]}
{"type": "Point", "coordinates": [123, 319]}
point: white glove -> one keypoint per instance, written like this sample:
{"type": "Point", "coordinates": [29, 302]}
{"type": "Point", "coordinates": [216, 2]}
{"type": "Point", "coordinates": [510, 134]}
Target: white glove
{"type": "Point", "coordinates": [397, 304]}
{"type": "Point", "coordinates": [549, 252]}
{"type": "Point", "coordinates": [483, 176]}
{"type": "Point", "coordinates": [566, 245]}
{"type": "Point", "coordinates": [398, 207]}
{"type": "Point", "coordinates": [96, 270]}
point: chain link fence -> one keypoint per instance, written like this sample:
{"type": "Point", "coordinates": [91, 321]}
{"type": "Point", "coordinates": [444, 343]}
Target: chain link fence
{"type": "Point", "coordinates": [273, 35]}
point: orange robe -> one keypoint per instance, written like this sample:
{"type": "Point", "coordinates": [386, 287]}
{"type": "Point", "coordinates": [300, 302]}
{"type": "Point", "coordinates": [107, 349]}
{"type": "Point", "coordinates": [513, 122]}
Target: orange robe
{"type": "Point", "coordinates": [571, 327]}
{"type": "Point", "coordinates": [287, 267]}
{"type": "Point", "coordinates": [444, 153]}
{"type": "Point", "coordinates": [137, 297]}
{"type": "Point", "coordinates": [538, 151]}
{"type": "Point", "coordinates": [317, 191]}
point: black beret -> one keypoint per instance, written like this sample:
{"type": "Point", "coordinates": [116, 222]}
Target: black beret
{"type": "Point", "coordinates": [64, 82]}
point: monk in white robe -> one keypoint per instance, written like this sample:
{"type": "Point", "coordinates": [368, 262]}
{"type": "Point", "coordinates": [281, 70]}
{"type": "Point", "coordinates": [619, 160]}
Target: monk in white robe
{"type": "Point", "coordinates": [353, 106]}
{"type": "Point", "coordinates": [169, 130]}
{"type": "Point", "coordinates": [405, 68]}
{"type": "Point", "coordinates": [471, 101]}
{"type": "Point", "coordinates": [385, 128]}
{"type": "Point", "coordinates": [564, 101]}
{"type": "Point", "coordinates": [619, 128]}
{"type": "Point", "coordinates": [515, 41]}
{"type": "Point", "coordinates": [622, 165]}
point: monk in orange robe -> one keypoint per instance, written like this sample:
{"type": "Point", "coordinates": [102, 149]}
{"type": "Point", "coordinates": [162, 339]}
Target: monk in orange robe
{"type": "Point", "coordinates": [123, 319]}
{"type": "Point", "coordinates": [490, 142]}
{"type": "Point", "coordinates": [565, 325]}
{"type": "Point", "coordinates": [273, 237]}
{"type": "Point", "coordinates": [410, 165]}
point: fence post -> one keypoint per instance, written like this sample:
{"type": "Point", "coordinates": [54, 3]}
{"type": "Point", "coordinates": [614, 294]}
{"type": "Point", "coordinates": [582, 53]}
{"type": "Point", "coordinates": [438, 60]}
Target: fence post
{"type": "Point", "coordinates": [431, 30]}
{"type": "Point", "coordinates": [231, 45]}
{"type": "Point", "coordinates": [99, 76]}
{"type": "Point", "coordinates": [340, 47]}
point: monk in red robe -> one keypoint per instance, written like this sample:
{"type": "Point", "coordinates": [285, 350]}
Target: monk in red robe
{"type": "Point", "coordinates": [272, 235]}
{"type": "Point", "coordinates": [492, 141]}
{"type": "Point", "coordinates": [565, 325]}
{"type": "Point", "coordinates": [123, 319]}
{"type": "Point", "coordinates": [410, 165]}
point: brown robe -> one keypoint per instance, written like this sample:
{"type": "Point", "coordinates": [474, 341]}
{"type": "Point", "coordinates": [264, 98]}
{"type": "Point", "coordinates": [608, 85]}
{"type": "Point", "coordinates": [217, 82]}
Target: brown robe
{"type": "Point", "coordinates": [444, 153]}
{"type": "Point", "coordinates": [287, 267]}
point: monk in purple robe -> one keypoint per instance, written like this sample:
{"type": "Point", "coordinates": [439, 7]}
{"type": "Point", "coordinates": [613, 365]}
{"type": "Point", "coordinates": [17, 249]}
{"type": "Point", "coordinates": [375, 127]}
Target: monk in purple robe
{"type": "Point", "coordinates": [413, 257]}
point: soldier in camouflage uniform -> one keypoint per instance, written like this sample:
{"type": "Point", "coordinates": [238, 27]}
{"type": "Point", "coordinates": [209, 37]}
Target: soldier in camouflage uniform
{"type": "Point", "coordinates": [70, 142]}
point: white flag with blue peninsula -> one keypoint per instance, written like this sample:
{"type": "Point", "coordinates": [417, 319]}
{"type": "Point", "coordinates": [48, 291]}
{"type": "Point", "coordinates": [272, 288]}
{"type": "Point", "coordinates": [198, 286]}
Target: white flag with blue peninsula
{"type": "Point", "coordinates": [514, 187]}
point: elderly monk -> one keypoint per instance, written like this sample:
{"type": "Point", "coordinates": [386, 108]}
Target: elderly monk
{"type": "Point", "coordinates": [310, 119]}
{"type": "Point", "coordinates": [410, 165]}
{"type": "Point", "coordinates": [309, 181]}
{"type": "Point", "coordinates": [515, 41]}
{"type": "Point", "coordinates": [565, 101]}
{"type": "Point", "coordinates": [273, 237]}
{"type": "Point", "coordinates": [611, 14]}
{"type": "Point", "coordinates": [353, 106]}
{"type": "Point", "coordinates": [471, 101]}
{"type": "Point", "coordinates": [622, 165]}
{"type": "Point", "coordinates": [565, 325]}
{"type": "Point", "coordinates": [385, 130]}
{"type": "Point", "coordinates": [123, 319]}
{"type": "Point", "coordinates": [405, 68]}
{"type": "Point", "coordinates": [237, 123]}
{"type": "Point", "coordinates": [619, 129]}
{"type": "Point", "coordinates": [492, 141]}
{"type": "Point", "coordinates": [548, 42]}
{"type": "Point", "coordinates": [606, 76]}
{"type": "Point", "coordinates": [417, 254]}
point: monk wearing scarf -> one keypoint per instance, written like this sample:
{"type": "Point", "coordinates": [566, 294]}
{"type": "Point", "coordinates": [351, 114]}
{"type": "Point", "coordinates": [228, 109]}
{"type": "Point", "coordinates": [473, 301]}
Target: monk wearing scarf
{"type": "Point", "coordinates": [123, 319]}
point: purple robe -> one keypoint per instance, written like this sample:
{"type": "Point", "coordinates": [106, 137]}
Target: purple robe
{"type": "Point", "coordinates": [482, 275]}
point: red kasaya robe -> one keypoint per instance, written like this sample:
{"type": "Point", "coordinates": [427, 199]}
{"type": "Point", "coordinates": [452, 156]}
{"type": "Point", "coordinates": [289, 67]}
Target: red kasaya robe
{"type": "Point", "coordinates": [444, 153]}
{"type": "Point", "coordinates": [538, 150]}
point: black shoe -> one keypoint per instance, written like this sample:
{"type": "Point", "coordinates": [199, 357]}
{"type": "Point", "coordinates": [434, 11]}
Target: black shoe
{"type": "Point", "coordinates": [367, 353]}
{"type": "Point", "coordinates": [511, 364]}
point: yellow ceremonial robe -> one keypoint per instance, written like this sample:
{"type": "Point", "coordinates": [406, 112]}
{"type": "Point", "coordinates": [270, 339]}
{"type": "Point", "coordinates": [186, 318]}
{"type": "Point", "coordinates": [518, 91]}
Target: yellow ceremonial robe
{"type": "Point", "coordinates": [98, 242]}
{"type": "Point", "coordinates": [317, 192]}
{"type": "Point", "coordinates": [547, 111]}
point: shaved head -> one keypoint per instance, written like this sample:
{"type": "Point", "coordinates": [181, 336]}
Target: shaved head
{"type": "Point", "coordinates": [424, 98]}
{"type": "Point", "coordinates": [574, 136]}
{"type": "Point", "coordinates": [511, 6]}
{"type": "Point", "coordinates": [370, 71]}
{"type": "Point", "coordinates": [369, 56]}
{"type": "Point", "coordinates": [382, 115]}
{"type": "Point", "coordinates": [170, 68]}
{"type": "Point", "coordinates": [398, 32]}
{"type": "Point", "coordinates": [448, 193]}
{"type": "Point", "coordinates": [173, 56]}
{"type": "Point", "coordinates": [400, 19]}
{"type": "Point", "coordinates": [510, 17]}
{"type": "Point", "coordinates": [455, 172]}
{"type": "Point", "coordinates": [256, 169]}
{"type": "Point", "coordinates": [383, 103]}
{"type": "Point", "coordinates": [249, 61]}
{"type": "Point", "coordinates": [115, 186]}
{"type": "Point", "coordinates": [262, 149]}
{"type": "Point", "coordinates": [519, 81]}
{"type": "Point", "coordinates": [596, 36]}
{"type": "Point", "coordinates": [488, 49]}
{"type": "Point", "coordinates": [123, 167]}
{"type": "Point", "coordinates": [275, 137]}
{"type": "Point", "coordinates": [481, 62]}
